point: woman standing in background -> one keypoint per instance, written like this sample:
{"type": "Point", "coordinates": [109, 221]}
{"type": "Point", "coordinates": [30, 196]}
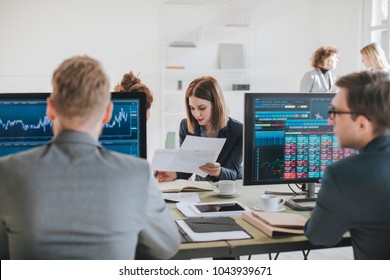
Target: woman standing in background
{"type": "Point", "coordinates": [374, 58]}
{"type": "Point", "coordinates": [321, 79]}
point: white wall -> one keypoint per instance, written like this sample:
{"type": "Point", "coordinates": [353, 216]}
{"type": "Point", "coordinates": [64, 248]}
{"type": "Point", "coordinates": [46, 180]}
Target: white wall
{"type": "Point", "coordinates": [342, 26]}
{"type": "Point", "coordinates": [35, 36]}
{"type": "Point", "coordinates": [288, 33]}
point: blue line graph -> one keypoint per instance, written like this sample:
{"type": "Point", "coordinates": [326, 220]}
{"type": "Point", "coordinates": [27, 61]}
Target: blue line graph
{"type": "Point", "coordinates": [124, 122]}
{"type": "Point", "coordinates": [24, 124]}
{"type": "Point", "coordinates": [44, 124]}
{"type": "Point", "coordinates": [26, 121]}
{"type": "Point", "coordinates": [117, 120]}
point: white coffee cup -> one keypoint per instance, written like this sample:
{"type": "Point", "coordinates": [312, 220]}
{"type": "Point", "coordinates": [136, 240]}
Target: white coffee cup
{"type": "Point", "coordinates": [226, 187]}
{"type": "Point", "coordinates": [270, 202]}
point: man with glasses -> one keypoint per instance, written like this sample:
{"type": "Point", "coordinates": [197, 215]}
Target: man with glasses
{"type": "Point", "coordinates": [355, 192]}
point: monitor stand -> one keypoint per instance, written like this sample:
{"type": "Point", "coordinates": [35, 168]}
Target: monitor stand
{"type": "Point", "coordinates": [284, 193]}
{"type": "Point", "coordinates": [307, 194]}
{"type": "Point", "coordinates": [310, 196]}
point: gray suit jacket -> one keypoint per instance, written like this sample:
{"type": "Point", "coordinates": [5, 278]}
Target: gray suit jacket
{"type": "Point", "coordinates": [355, 197]}
{"type": "Point", "coordinates": [72, 199]}
{"type": "Point", "coordinates": [315, 81]}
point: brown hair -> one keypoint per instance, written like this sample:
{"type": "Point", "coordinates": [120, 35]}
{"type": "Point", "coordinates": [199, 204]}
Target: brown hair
{"type": "Point", "coordinates": [81, 88]}
{"type": "Point", "coordinates": [131, 83]}
{"type": "Point", "coordinates": [369, 95]}
{"type": "Point", "coordinates": [207, 88]}
{"type": "Point", "coordinates": [321, 54]}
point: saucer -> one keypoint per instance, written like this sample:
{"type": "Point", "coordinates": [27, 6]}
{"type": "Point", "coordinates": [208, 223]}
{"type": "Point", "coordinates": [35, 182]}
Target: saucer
{"type": "Point", "coordinates": [281, 208]}
{"type": "Point", "coordinates": [217, 192]}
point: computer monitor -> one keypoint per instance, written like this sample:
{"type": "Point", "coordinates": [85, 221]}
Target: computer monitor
{"type": "Point", "coordinates": [288, 138]}
{"type": "Point", "coordinates": [24, 124]}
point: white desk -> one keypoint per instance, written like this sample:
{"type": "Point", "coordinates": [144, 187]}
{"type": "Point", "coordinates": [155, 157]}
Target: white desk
{"type": "Point", "coordinates": [260, 244]}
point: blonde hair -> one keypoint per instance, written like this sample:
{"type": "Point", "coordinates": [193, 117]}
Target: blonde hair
{"type": "Point", "coordinates": [81, 89]}
{"type": "Point", "coordinates": [207, 88]}
{"type": "Point", "coordinates": [375, 55]}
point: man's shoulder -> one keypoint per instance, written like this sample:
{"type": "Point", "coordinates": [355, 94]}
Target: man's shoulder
{"type": "Point", "coordinates": [24, 155]}
{"type": "Point", "coordinates": [352, 164]}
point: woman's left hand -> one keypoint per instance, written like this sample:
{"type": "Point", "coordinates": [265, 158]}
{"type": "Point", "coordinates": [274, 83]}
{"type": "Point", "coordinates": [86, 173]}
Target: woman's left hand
{"type": "Point", "coordinates": [211, 168]}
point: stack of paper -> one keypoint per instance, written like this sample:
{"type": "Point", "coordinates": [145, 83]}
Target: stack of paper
{"type": "Point", "coordinates": [272, 223]}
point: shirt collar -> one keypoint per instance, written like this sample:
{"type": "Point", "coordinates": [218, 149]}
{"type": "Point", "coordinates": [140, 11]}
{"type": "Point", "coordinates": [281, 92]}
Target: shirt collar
{"type": "Point", "coordinates": [379, 144]}
{"type": "Point", "coordinates": [76, 137]}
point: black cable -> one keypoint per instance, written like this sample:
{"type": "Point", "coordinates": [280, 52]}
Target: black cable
{"type": "Point", "coordinates": [299, 187]}
{"type": "Point", "coordinates": [293, 190]}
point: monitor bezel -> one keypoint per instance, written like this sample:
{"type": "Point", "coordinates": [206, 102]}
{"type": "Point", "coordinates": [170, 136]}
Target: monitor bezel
{"type": "Point", "coordinates": [141, 96]}
{"type": "Point", "coordinates": [25, 95]}
{"type": "Point", "coordinates": [248, 140]}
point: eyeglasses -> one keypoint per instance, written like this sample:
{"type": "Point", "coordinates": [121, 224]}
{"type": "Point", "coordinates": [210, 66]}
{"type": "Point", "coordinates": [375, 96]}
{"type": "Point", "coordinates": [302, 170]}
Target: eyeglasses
{"type": "Point", "coordinates": [332, 112]}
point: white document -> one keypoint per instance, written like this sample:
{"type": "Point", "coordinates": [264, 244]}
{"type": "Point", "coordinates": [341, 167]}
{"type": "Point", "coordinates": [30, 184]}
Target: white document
{"type": "Point", "coordinates": [189, 197]}
{"type": "Point", "coordinates": [194, 152]}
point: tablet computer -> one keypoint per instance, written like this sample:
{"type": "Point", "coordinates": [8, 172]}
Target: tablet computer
{"type": "Point", "coordinates": [215, 208]}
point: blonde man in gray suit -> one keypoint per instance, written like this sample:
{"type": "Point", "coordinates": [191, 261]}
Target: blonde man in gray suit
{"type": "Point", "coordinates": [71, 198]}
{"type": "Point", "coordinates": [321, 78]}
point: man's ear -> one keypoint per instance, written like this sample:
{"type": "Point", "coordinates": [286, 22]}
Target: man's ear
{"type": "Point", "coordinates": [365, 125]}
{"type": "Point", "coordinates": [108, 113]}
{"type": "Point", "coordinates": [50, 110]}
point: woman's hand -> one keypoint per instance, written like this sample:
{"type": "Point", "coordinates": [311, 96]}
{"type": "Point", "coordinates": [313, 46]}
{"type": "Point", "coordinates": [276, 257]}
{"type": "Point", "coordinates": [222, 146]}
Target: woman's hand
{"type": "Point", "coordinates": [165, 176]}
{"type": "Point", "coordinates": [211, 168]}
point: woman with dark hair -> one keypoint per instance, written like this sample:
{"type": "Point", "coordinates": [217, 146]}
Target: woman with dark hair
{"type": "Point", "coordinates": [321, 78]}
{"type": "Point", "coordinates": [207, 116]}
{"type": "Point", "coordinates": [131, 83]}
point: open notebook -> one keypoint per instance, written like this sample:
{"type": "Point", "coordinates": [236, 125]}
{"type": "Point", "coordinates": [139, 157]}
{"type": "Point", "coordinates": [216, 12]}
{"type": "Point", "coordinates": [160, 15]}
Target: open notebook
{"type": "Point", "coordinates": [185, 185]}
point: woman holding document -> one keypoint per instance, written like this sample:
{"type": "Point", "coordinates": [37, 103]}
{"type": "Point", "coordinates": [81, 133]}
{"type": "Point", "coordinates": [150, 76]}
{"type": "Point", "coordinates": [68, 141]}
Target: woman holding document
{"type": "Point", "coordinates": [207, 116]}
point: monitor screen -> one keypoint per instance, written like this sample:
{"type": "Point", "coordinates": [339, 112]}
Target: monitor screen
{"type": "Point", "coordinates": [288, 138]}
{"type": "Point", "coordinates": [24, 124]}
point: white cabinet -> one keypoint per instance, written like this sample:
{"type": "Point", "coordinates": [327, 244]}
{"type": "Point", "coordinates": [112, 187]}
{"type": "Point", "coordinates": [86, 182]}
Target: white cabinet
{"type": "Point", "coordinates": [203, 41]}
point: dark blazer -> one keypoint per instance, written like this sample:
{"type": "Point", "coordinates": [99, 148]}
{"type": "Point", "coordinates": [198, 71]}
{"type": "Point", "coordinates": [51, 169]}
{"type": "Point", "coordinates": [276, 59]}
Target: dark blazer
{"type": "Point", "coordinates": [230, 157]}
{"type": "Point", "coordinates": [73, 199]}
{"type": "Point", "coordinates": [355, 197]}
